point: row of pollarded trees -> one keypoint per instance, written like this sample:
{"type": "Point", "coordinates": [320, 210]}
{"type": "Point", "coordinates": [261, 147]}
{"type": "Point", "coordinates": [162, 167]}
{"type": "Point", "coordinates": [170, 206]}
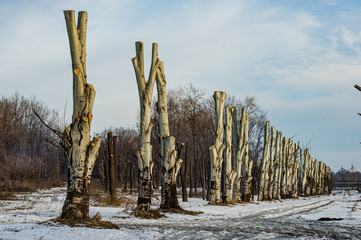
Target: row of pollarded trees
{"type": "Point", "coordinates": [238, 169]}
{"type": "Point", "coordinates": [287, 171]}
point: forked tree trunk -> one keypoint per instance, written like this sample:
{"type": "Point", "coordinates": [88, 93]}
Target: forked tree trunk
{"type": "Point", "coordinates": [216, 150]}
{"type": "Point", "coordinates": [247, 165]}
{"type": "Point", "coordinates": [144, 154]}
{"type": "Point", "coordinates": [230, 174]}
{"type": "Point", "coordinates": [264, 169]}
{"type": "Point", "coordinates": [170, 163]}
{"type": "Point", "coordinates": [81, 151]}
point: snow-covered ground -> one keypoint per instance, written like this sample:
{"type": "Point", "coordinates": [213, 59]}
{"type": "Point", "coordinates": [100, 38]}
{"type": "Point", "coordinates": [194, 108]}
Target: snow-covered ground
{"type": "Point", "coordinates": [289, 219]}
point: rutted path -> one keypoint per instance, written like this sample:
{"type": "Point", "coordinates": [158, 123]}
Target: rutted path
{"type": "Point", "coordinates": [281, 222]}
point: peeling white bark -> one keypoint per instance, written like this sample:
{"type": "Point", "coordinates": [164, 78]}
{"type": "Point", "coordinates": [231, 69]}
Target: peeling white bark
{"type": "Point", "coordinates": [144, 154]}
{"type": "Point", "coordinates": [284, 167]}
{"type": "Point", "coordinates": [230, 174]}
{"type": "Point", "coordinates": [263, 175]}
{"type": "Point", "coordinates": [294, 193]}
{"type": "Point", "coordinates": [216, 150]}
{"type": "Point", "coordinates": [81, 152]}
{"type": "Point", "coordinates": [169, 157]}
{"type": "Point", "coordinates": [277, 167]}
{"type": "Point", "coordinates": [247, 164]}
{"type": "Point", "coordinates": [271, 166]}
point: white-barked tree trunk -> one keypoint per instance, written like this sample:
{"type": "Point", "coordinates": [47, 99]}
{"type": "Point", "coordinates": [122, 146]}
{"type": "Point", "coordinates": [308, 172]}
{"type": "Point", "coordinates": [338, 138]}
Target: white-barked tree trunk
{"type": "Point", "coordinates": [80, 150]}
{"type": "Point", "coordinates": [230, 173]}
{"type": "Point", "coordinates": [144, 154]}
{"type": "Point", "coordinates": [170, 162]}
{"type": "Point", "coordinates": [216, 150]}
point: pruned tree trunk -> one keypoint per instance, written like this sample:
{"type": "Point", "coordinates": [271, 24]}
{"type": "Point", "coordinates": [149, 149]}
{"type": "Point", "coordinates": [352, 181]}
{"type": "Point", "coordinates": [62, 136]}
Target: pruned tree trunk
{"type": "Point", "coordinates": [315, 177]}
{"type": "Point", "coordinates": [289, 169]}
{"type": "Point", "coordinates": [310, 178]}
{"type": "Point", "coordinates": [305, 172]}
{"type": "Point", "coordinates": [230, 174]}
{"type": "Point", "coordinates": [295, 171]}
{"type": "Point", "coordinates": [126, 177]}
{"type": "Point", "coordinates": [216, 150]}
{"type": "Point", "coordinates": [271, 165]}
{"type": "Point", "coordinates": [170, 163]}
{"type": "Point", "coordinates": [184, 176]}
{"type": "Point", "coordinates": [284, 168]}
{"type": "Point", "coordinates": [144, 154]}
{"type": "Point", "coordinates": [264, 169]}
{"type": "Point", "coordinates": [112, 168]}
{"type": "Point", "coordinates": [277, 168]}
{"type": "Point", "coordinates": [238, 151]}
{"type": "Point", "coordinates": [81, 151]}
{"type": "Point", "coordinates": [247, 164]}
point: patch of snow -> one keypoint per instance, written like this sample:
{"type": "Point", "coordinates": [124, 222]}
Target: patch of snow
{"type": "Point", "coordinates": [287, 219]}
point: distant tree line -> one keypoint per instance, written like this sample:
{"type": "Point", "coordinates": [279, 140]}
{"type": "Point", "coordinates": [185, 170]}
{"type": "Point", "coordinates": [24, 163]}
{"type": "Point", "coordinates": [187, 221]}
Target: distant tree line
{"type": "Point", "coordinates": [344, 175]}
{"type": "Point", "coordinates": [25, 152]}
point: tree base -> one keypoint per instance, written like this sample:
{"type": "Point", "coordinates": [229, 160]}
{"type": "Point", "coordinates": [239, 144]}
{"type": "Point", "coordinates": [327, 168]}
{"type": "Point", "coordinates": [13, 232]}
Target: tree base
{"type": "Point", "coordinates": [149, 214]}
{"type": "Point", "coordinates": [169, 197]}
{"type": "Point", "coordinates": [246, 198]}
{"type": "Point", "coordinates": [94, 222]}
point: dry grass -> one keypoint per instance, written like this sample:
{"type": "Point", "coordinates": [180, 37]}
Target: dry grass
{"type": "Point", "coordinates": [94, 222]}
{"type": "Point", "coordinates": [181, 211]}
{"type": "Point", "coordinates": [6, 195]}
{"type": "Point", "coordinates": [152, 214]}
{"type": "Point", "coordinates": [30, 186]}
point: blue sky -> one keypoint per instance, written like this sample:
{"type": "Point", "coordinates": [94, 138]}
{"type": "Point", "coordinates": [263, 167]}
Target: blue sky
{"type": "Point", "coordinates": [299, 58]}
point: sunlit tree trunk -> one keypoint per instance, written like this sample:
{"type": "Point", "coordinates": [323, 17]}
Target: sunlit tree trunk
{"type": "Point", "coordinates": [271, 166]}
{"type": "Point", "coordinates": [295, 171]}
{"type": "Point", "coordinates": [284, 168]}
{"type": "Point", "coordinates": [264, 164]}
{"type": "Point", "coordinates": [289, 169]}
{"type": "Point", "coordinates": [144, 154]}
{"type": "Point", "coordinates": [216, 150]}
{"type": "Point", "coordinates": [247, 164]}
{"type": "Point", "coordinates": [277, 167]}
{"type": "Point", "coordinates": [170, 162]}
{"type": "Point", "coordinates": [230, 174]}
{"type": "Point", "coordinates": [238, 151]}
{"type": "Point", "coordinates": [81, 151]}
{"type": "Point", "coordinates": [305, 172]}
